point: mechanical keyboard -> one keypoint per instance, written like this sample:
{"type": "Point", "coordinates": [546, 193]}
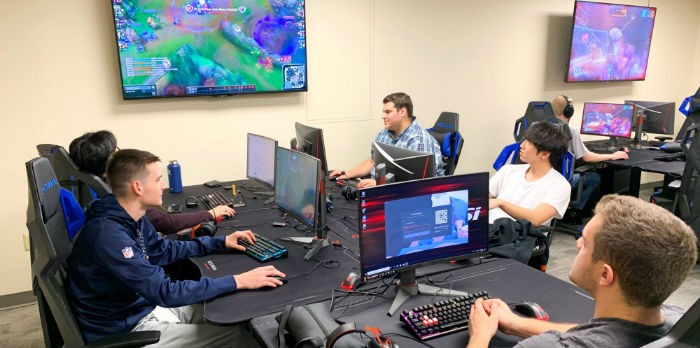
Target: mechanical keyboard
{"type": "Point", "coordinates": [214, 199]}
{"type": "Point", "coordinates": [442, 317]}
{"type": "Point", "coordinates": [264, 249]}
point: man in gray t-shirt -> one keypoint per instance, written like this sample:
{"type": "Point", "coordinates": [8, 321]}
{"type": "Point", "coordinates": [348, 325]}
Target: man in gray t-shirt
{"type": "Point", "coordinates": [564, 109]}
{"type": "Point", "coordinates": [626, 240]}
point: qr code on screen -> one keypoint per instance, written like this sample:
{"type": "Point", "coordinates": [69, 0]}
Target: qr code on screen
{"type": "Point", "coordinates": [441, 216]}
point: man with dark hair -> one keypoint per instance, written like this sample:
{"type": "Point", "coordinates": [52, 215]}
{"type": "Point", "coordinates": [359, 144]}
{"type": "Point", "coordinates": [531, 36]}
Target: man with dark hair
{"type": "Point", "coordinates": [533, 191]}
{"type": "Point", "coordinates": [90, 152]}
{"type": "Point", "coordinates": [632, 256]}
{"type": "Point", "coordinates": [115, 281]}
{"type": "Point", "coordinates": [591, 180]}
{"type": "Point", "coordinates": [400, 129]}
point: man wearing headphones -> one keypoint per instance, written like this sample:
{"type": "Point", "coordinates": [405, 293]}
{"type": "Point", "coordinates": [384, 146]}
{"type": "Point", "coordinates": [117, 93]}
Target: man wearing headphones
{"type": "Point", "coordinates": [400, 129]}
{"type": "Point", "coordinates": [564, 110]}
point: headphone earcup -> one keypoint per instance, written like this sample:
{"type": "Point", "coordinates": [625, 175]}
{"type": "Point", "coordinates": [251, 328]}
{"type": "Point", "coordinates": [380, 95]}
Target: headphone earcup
{"type": "Point", "coordinates": [350, 193]}
{"type": "Point", "coordinates": [568, 111]}
{"type": "Point", "coordinates": [207, 228]}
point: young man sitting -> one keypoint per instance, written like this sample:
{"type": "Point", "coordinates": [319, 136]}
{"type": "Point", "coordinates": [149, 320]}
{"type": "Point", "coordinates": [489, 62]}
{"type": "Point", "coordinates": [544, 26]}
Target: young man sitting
{"type": "Point", "coordinates": [115, 279]}
{"type": "Point", "coordinates": [632, 256]}
{"type": "Point", "coordinates": [533, 191]}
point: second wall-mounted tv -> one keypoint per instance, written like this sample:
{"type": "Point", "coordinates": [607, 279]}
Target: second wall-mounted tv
{"type": "Point", "coordinates": [179, 48]}
{"type": "Point", "coordinates": [610, 42]}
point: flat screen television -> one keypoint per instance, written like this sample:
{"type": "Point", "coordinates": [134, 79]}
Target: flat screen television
{"type": "Point", "coordinates": [183, 48]}
{"type": "Point", "coordinates": [610, 42]}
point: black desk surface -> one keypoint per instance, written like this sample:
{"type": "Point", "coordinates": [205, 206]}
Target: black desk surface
{"type": "Point", "coordinates": [303, 289]}
{"type": "Point", "coordinates": [640, 158]}
{"type": "Point", "coordinates": [503, 278]}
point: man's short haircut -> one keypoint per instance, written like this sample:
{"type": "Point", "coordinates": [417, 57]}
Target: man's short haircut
{"type": "Point", "coordinates": [558, 104]}
{"type": "Point", "coordinates": [91, 150]}
{"type": "Point", "coordinates": [400, 100]}
{"type": "Point", "coordinates": [650, 250]}
{"type": "Point", "coordinates": [125, 166]}
{"type": "Point", "coordinates": [549, 137]}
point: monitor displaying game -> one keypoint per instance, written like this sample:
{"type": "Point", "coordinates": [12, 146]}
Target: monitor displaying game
{"type": "Point", "coordinates": [261, 159]}
{"type": "Point", "coordinates": [613, 120]}
{"type": "Point", "coordinates": [181, 48]}
{"type": "Point", "coordinates": [297, 184]}
{"type": "Point", "coordinates": [610, 42]}
{"type": "Point", "coordinates": [415, 223]}
{"type": "Point", "coordinates": [659, 117]}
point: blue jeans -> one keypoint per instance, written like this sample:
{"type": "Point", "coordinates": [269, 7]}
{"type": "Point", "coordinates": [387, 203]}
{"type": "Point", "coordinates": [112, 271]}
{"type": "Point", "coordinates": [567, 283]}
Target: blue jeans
{"type": "Point", "coordinates": [591, 180]}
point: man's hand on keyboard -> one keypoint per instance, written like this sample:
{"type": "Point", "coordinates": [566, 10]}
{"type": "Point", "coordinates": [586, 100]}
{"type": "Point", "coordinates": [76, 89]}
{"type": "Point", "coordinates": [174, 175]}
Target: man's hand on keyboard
{"type": "Point", "coordinates": [232, 239]}
{"type": "Point", "coordinates": [259, 277]}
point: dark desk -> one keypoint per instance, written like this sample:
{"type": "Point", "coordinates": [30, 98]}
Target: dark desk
{"type": "Point", "coordinates": [304, 289]}
{"type": "Point", "coordinates": [503, 278]}
{"type": "Point", "coordinates": [640, 160]}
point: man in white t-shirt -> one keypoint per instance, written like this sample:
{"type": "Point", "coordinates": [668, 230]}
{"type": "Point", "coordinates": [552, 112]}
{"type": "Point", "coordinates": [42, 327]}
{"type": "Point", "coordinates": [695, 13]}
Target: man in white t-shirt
{"type": "Point", "coordinates": [533, 191]}
{"type": "Point", "coordinates": [564, 109]}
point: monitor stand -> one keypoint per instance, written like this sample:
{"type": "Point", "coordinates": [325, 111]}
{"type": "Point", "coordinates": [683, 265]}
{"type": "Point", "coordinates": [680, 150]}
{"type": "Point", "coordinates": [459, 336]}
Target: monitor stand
{"type": "Point", "coordinates": [408, 287]}
{"type": "Point", "coordinates": [612, 146]}
{"type": "Point", "coordinates": [320, 241]}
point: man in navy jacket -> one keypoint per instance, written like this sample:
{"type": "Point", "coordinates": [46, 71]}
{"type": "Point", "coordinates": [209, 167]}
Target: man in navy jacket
{"type": "Point", "coordinates": [115, 279]}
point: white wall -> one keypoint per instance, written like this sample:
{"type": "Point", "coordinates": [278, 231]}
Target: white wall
{"type": "Point", "coordinates": [484, 60]}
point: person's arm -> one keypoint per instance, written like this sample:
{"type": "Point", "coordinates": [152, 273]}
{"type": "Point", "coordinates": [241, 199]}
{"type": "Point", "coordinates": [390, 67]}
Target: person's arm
{"type": "Point", "coordinates": [537, 216]}
{"type": "Point", "coordinates": [599, 157]}
{"type": "Point", "coordinates": [361, 170]}
{"type": "Point", "coordinates": [512, 324]}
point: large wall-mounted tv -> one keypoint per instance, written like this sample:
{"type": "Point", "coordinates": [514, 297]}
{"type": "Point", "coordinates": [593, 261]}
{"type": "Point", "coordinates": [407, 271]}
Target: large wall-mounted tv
{"type": "Point", "coordinates": [179, 48]}
{"type": "Point", "coordinates": [610, 42]}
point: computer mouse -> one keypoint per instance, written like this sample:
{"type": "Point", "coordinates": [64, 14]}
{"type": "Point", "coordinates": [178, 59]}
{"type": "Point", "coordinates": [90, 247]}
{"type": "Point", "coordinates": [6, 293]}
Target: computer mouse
{"type": "Point", "coordinates": [532, 310]}
{"type": "Point", "coordinates": [624, 148]}
{"type": "Point", "coordinates": [282, 279]}
{"type": "Point", "coordinates": [351, 281]}
{"type": "Point", "coordinates": [333, 178]}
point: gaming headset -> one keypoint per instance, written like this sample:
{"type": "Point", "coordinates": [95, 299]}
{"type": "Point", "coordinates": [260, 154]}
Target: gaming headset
{"type": "Point", "coordinates": [378, 341]}
{"type": "Point", "coordinates": [569, 108]}
{"type": "Point", "coordinates": [206, 228]}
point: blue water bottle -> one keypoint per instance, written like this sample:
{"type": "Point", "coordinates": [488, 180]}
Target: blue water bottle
{"type": "Point", "coordinates": [174, 177]}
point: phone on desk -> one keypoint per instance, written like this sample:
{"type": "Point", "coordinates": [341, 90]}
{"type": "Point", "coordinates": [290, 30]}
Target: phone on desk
{"type": "Point", "coordinates": [174, 208]}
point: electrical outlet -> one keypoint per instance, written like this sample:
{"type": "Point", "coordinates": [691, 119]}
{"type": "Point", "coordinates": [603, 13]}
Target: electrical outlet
{"type": "Point", "coordinates": [25, 237]}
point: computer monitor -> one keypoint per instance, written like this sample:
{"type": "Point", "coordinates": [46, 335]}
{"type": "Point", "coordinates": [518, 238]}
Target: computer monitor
{"type": "Point", "coordinates": [298, 192]}
{"type": "Point", "coordinates": [310, 141]}
{"type": "Point", "coordinates": [613, 120]}
{"type": "Point", "coordinates": [262, 152]}
{"type": "Point", "coordinates": [396, 164]}
{"type": "Point", "coordinates": [412, 224]}
{"type": "Point", "coordinates": [657, 117]}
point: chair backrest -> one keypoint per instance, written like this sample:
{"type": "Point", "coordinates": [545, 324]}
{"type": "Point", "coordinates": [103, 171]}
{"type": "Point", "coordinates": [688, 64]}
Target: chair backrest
{"type": "Point", "coordinates": [446, 132]}
{"type": "Point", "coordinates": [84, 186]}
{"type": "Point", "coordinates": [536, 111]}
{"type": "Point", "coordinates": [684, 334]}
{"type": "Point", "coordinates": [688, 204]}
{"type": "Point", "coordinates": [50, 247]}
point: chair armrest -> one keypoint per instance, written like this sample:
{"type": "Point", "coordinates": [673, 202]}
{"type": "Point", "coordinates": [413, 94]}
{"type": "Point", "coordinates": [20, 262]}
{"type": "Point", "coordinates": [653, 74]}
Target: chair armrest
{"type": "Point", "coordinates": [127, 340]}
{"type": "Point", "coordinates": [584, 169]}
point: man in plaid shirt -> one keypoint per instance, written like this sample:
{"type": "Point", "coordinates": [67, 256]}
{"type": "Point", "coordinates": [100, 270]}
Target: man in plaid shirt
{"type": "Point", "coordinates": [400, 129]}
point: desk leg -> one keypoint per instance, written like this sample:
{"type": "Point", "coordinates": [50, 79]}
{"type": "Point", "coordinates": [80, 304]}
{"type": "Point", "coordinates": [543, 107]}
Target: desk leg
{"type": "Point", "coordinates": [635, 178]}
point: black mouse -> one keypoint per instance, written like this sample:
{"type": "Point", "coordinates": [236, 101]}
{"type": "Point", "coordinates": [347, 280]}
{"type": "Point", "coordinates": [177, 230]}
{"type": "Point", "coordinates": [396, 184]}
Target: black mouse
{"type": "Point", "coordinates": [333, 178]}
{"type": "Point", "coordinates": [351, 281]}
{"type": "Point", "coordinates": [282, 279]}
{"type": "Point", "coordinates": [532, 310]}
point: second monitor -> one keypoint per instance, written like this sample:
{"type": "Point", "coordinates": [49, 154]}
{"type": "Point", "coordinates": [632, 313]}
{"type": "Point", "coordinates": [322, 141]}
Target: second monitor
{"type": "Point", "coordinates": [396, 164]}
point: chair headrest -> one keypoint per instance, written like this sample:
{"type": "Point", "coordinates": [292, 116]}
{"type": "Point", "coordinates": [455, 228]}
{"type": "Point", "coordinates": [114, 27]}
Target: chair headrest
{"type": "Point", "coordinates": [447, 122]}
{"type": "Point", "coordinates": [47, 187]}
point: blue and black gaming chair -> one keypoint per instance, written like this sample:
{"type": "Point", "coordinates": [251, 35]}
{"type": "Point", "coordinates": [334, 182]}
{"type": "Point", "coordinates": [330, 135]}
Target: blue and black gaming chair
{"type": "Point", "coordinates": [446, 132]}
{"type": "Point", "coordinates": [50, 247]}
{"type": "Point", "coordinates": [85, 186]}
{"type": "Point", "coordinates": [536, 111]}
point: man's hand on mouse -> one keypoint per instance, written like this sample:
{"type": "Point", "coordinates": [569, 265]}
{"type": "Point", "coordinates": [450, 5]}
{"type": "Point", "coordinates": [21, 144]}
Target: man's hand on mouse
{"type": "Point", "coordinates": [339, 175]}
{"type": "Point", "coordinates": [619, 155]}
{"type": "Point", "coordinates": [259, 277]}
